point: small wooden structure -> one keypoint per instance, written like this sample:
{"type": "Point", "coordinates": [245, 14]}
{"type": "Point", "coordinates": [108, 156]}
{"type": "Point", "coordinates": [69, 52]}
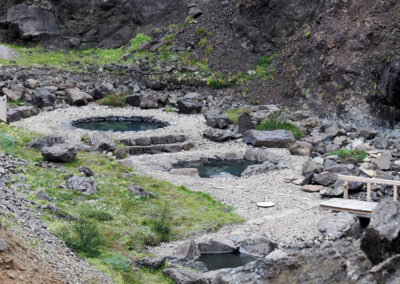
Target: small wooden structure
{"type": "Point", "coordinates": [357, 207]}
{"type": "Point", "coordinates": [3, 109]}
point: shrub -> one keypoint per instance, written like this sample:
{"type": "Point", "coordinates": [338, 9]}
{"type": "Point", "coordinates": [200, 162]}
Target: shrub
{"type": "Point", "coordinates": [358, 155]}
{"type": "Point", "coordinates": [6, 141]}
{"type": "Point", "coordinates": [118, 262]}
{"type": "Point", "coordinates": [160, 224]}
{"type": "Point", "coordinates": [114, 100]}
{"type": "Point", "coordinates": [275, 123]}
{"type": "Point", "coordinates": [99, 215]}
{"type": "Point", "coordinates": [82, 236]}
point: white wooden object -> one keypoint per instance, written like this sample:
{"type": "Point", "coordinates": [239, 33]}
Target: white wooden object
{"type": "Point", "coordinates": [3, 108]}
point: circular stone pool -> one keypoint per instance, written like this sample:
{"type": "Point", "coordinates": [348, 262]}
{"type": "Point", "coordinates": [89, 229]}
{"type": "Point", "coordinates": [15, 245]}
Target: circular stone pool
{"type": "Point", "coordinates": [119, 123]}
{"type": "Point", "coordinates": [212, 167]}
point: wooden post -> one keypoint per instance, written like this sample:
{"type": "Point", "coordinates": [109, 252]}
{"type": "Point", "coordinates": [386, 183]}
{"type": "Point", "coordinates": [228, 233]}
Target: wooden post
{"type": "Point", "coordinates": [346, 189]}
{"type": "Point", "coordinates": [394, 192]}
{"type": "Point", "coordinates": [369, 191]}
{"type": "Point", "coordinates": [3, 109]}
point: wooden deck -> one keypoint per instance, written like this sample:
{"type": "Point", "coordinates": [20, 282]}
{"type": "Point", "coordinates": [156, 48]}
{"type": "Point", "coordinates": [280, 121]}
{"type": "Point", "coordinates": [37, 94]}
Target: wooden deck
{"type": "Point", "coordinates": [356, 207]}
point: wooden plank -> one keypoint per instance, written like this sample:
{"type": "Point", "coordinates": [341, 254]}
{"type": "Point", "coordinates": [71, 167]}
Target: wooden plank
{"type": "Point", "coordinates": [369, 191]}
{"type": "Point", "coordinates": [371, 180]}
{"type": "Point", "coordinates": [3, 109]}
{"type": "Point", "coordinates": [357, 207]}
{"type": "Point", "coordinates": [395, 192]}
{"type": "Point", "coordinates": [346, 189]}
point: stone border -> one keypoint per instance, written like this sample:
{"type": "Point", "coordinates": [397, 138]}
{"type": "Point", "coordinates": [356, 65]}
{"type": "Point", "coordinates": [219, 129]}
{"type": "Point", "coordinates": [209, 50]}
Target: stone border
{"type": "Point", "coordinates": [150, 119]}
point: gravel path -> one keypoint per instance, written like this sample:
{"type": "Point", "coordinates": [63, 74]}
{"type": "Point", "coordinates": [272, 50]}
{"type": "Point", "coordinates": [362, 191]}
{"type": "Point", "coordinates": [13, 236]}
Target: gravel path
{"type": "Point", "coordinates": [292, 221]}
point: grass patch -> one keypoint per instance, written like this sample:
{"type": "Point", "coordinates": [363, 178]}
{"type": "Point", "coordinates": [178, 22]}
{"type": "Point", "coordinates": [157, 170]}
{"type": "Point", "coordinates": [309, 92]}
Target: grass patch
{"type": "Point", "coordinates": [234, 113]}
{"type": "Point", "coordinates": [114, 100]}
{"type": "Point", "coordinates": [275, 123]}
{"type": "Point", "coordinates": [112, 228]}
{"type": "Point", "coordinates": [358, 155]}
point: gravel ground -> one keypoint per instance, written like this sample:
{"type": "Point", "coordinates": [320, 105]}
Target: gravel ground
{"type": "Point", "coordinates": [292, 221]}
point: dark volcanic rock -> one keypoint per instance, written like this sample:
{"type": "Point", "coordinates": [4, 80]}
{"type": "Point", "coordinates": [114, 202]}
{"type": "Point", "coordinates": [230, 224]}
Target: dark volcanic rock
{"type": "Point", "coordinates": [245, 122]}
{"type": "Point", "coordinates": [340, 225]}
{"type": "Point", "coordinates": [219, 135]}
{"type": "Point", "coordinates": [271, 139]}
{"type": "Point", "coordinates": [382, 237]}
{"type": "Point", "coordinates": [42, 97]}
{"type": "Point", "coordinates": [217, 119]}
{"type": "Point", "coordinates": [18, 113]}
{"type": "Point", "coordinates": [325, 178]}
{"type": "Point", "coordinates": [152, 263]}
{"type": "Point", "coordinates": [46, 141]}
{"type": "Point", "coordinates": [59, 153]}
{"type": "Point", "coordinates": [133, 100]}
{"type": "Point", "coordinates": [29, 22]}
{"type": "Point", "coordinates": [262, 155]}
{"type": "Point", "coordinates": [101, 142]}
{"type": "Point", "coordinates": [259, 246]}
{"type": "Point", "coordinates": [188, 106]}
{"type": "Point", "coordinates": [83, 185]}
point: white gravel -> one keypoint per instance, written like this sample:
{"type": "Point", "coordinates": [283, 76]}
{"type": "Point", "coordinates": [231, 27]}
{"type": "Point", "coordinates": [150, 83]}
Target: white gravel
{"type": "Point", "coordinates": [294, 218]}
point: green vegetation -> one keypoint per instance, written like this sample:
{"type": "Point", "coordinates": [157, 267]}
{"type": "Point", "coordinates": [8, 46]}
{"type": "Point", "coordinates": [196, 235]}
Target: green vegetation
{"type": "Point", "coordinates": [357, 155]}
{"type": "Point", "coordinates": [275, 123]}
{"type": "Point", "coordinates": [111, 228]}
{"type": "Point", "coordinates": [234, 113]}
{"type": "Point", "coordinates": [114, 100]}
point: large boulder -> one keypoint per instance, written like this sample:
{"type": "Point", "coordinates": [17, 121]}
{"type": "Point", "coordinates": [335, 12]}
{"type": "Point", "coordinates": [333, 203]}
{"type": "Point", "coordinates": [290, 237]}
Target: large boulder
{"type": "Point", "coordinates": [59, 153]}
{"type": "Point", "coordinates": [245, 122]}
{"type": "Point", "coordinates": [101, 142]}
{"type": "Point", "coordinates": [270, 139]}
{"type": "Point", "coordinates": [311, 167]}
{"type": "Point", "coordinates": [8, 53]}
{"type": "Point", "coordinates": [84, 185]}
{"type": "Point", "coordinates": [262, 155]}
{"type": "Point", "coordinates": [325, 178]}
{"type": "Point", "coordinates": [102, 90]}
{"type": "Point", "coordinates": [76, 97]}
{"type": "Point", "coordinates": [259, 169]}
{"type": "Point", "coordinates": [219, 135]}
{"type": "Point", "coordinates": [258, 245]}
{"type": "Point", "coordinates": [382, 236]}
{"type": "Point", "coordinates": [217, 119]}
{"type": "Point", "coordinates": [301, 149]}
{"type": "Point", "coordinates": [153, 99]}
{"type": "Point", "coordinates": [46, 141]}
{"type": "Point", "coordinates": [188, 250]}
{"type": "Point", "coordinates": [152, 263]}
{"type": "Point", "coordinates": [12, 95]}
{"type": "Point", "coordinates": [133, 100]}
{"type": "Point", "coordinates": [18, 113]}
{"type": "Point", "coordinates": [187, 106]}
{"type": "Point", "coordinates": [212, 246]}
{"type": "Point", "coordinates": [183, 275]}
{"type": "Point", "coordinates": [42, 97]}
{"type": "Point", "coordinates": [30, 22]}
{"type": "Point", "coordinates": [367, 133]}
{"type": "Point", "coordinates": [340, 225]}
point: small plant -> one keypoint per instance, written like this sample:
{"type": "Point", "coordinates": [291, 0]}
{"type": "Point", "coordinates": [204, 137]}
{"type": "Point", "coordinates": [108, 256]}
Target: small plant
{"type": "Point", "coordinates": [6, 141]}
{"type": "Point", "coordinates": [120, 151]}
{"type": "Point", "coordinates": [116, 261]}
{"type": "Point", "coordinates": [169, 109]}
{"type": "Point", "coordinates": [201, 31]}
{"type": "Point", "coordinates": [234, 113]}
{"type": "Point", "coordinates": [85, 138]}
{"type": "Point", "coordinates": [209, 50]}
{"type": "Point", "coordinates": [160, 224]}
{"type": "Point", "coordinates": [358, 155]}
{"type": "Point", "coordinates": [82, 236]}
{"type": "Point", "coordinates": [202, 41]}
{"type": "Point", "coordinates": [307, 34]}
{"type": "Point", "coordinates": [114, 100]}
{"type": "Point", "coordinates": [275, 123]}
{"type": "Point", "coordinates": [139, 40]}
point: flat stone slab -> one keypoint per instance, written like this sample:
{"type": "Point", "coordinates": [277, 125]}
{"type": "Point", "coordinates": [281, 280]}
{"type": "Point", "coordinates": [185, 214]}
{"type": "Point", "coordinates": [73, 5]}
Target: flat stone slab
{"type": "Point", "coordinates": [312, 188]}
{"type": "Point", "coordinates": [357, 207]}
{"type": "Point", "coordinates": [265, 204]}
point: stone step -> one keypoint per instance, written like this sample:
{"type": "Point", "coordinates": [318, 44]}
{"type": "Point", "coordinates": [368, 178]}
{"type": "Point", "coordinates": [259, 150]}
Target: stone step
{"type": "Point", "coordinates": [154, 140]}
{"type": "Point", "coordinates": [160, 148]}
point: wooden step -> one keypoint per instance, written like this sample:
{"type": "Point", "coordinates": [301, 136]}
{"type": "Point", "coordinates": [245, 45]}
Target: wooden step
{"type": "Point", "coordinates": [356, 207]}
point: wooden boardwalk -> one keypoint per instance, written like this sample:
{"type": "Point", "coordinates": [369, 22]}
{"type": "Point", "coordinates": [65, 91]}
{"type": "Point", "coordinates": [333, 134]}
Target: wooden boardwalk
{"type": "Point", "coordinates": [356, 207]}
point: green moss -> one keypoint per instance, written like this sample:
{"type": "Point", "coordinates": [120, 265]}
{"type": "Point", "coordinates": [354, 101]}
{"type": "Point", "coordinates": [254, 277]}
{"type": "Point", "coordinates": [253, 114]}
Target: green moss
{"type": "Point", "coordinates": [358, 155]}
{"type": "Point", "coordinates": [139, 40]}
{"type": "Point", "coordinates": [234, 113]}
{"type": "Point", "coordinates": [275, 123]}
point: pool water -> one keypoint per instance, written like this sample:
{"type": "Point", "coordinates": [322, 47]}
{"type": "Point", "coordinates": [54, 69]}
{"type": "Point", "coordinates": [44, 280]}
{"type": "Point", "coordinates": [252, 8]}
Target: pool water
{"type": "Point", "coordinates": [121, 126]}
{"type": "Point", "coordinates": [210, 168]}
{"type": "Point", "coordinates": [226, 260]}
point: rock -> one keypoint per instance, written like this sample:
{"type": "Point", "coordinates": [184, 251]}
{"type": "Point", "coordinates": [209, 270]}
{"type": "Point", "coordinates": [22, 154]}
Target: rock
{"type": "Point", "coordinates": [217, 119]}
{"type": "Point", "coordinates": [381, 142]}
{"type": "Point", "coordinates": [153, 99]}
{"type": "Point", "coordinates": [301, 149]}
{"type": "Point", "coordinates": [42, 97]}
{"type": "Point", "coordinates": [311, 188]}
{"type": "Point", "coordinates": [182, 275]}
{"type": "Point", "coordinates": [366, 133]}
{"type": "Point", "coordinates": [325, 178]}
{"type": "Point", "coordinates": [337, 168]}
{"type": "Point", "coordinates": [101, 142]}
{"type": "Point", "coordinates": [187, 106]}
{"type": "Point", "coordinates": [3, 245]}
{"type": "Point", "coordinates": [331, 192]}
{"type": "Point", "coordinates": [334, 131]}
{"type": "Point", "coordinates": [270, 139]}
{"type": "Point", "coordinates": [340, 225]}
{"type": "Point", "coordinates": [133, 100]}
{"type": "Point", "coordinates": [46, 141]}
{"type": "Point", "coordinates": [83, 185]}
{"type": "Point", "coordinates": [188, 250]}
{"type": "Point", "coordinates": [219, 135]}
{"type": "Point", "coordinates": [212, 246]}
{"type": "Point", "coordinates": [8, 53]}
{"type": "Point", "coordinates": [382, 236]}
{"type": "Point", "coordinates": [42, 195]}
{"type": "Point", "coordinates": [75, 97]}
{"type": "Point", "coordinates": [262, 155]}
{"type": "Point", "coordinates": [259, 246]}
{"type": "Point", "coordinates": [331, 147]}
{"type": "Point", "coordinates": [18, 113]}
{"type": "Point", "coordinates": [86, 171]}
{"type": "Point", "coordinates": [193, 172]}
{"type": "Point", "coordinates": [12, 95]}
{"type": "Point", "coordinates": [103, 90]}
{"type": "Point", "coordinates": [311, 167]}
{"type": "Point", "coordinates": [384, 161]}
{"type": "Point", "coordinates": [32, 83]}
{"type": "Point", "coordinates": [369, 173]}
{"type": "Point", "coordinates": [258, 169]}
{"type": "Point", "coordinates": [195, 12]}
{"type": "Point", "coordinates": [59, 153]}
{"type": "Point", "coordinates": [31, 22]}
{"type": "Point", "coordinates": [245, 123]}
{"type": "Point", "coordinates": [138, 191]}
{"type": "Point", "coordinates": [152, 263]}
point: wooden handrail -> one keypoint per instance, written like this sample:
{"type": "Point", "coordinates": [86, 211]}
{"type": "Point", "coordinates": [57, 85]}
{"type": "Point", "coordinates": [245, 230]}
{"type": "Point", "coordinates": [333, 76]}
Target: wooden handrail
{"type": "Point", "coordinates": [369, 181]}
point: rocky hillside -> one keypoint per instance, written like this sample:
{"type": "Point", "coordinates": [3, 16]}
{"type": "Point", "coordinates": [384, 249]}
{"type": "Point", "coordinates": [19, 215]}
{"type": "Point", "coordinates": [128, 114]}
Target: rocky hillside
{"type": "Point", "coordinates": [335, 57]}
